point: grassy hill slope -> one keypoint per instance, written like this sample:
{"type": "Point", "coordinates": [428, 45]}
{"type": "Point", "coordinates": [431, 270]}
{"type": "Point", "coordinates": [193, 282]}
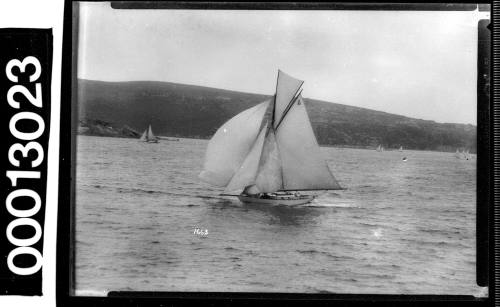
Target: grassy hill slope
{"type": "Point", "coordinates": [194, 111]}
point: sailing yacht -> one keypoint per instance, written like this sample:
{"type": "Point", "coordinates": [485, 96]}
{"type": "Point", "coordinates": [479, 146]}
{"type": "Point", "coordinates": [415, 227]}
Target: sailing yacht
{"type": "Point", "coordinates": [148, 136]}
{"type": "Point", "coordinates": [268, 153]}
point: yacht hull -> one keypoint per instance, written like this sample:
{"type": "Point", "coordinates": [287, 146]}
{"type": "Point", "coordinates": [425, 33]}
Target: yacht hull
{"type": "Point", "coordinates": [277, 200]}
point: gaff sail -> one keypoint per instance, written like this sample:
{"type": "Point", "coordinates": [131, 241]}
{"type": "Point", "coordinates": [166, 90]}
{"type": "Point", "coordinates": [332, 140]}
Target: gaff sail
{"type": "Point", "coordinates": [303, 165]}
{"type": "Point", "coordinates": [269, 147]}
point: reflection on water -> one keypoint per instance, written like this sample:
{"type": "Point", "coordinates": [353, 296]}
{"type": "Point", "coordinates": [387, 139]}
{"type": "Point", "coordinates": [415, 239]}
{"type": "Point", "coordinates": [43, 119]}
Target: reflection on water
{"type": "Point", "coordinates": [277, 214]}
{"type": "Point", "coordinates": [400, 227]}
{"type": "Point", "coordinates": [287, 215]}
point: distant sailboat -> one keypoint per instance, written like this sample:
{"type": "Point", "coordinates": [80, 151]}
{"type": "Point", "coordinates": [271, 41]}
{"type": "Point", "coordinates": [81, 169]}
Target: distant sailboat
{"type": "Point", "coordinates": [380, 148]}
{"type": "Point", "coordinates": [466, 154]}
{"type": "Point", "coordinates": [148, 136]}
{"type": "Point", "coordinates": [401, 148]}
{"type": "Point", "coordinates": [265, 152]}
{"type": "Point", "coordinates": [457, 154]}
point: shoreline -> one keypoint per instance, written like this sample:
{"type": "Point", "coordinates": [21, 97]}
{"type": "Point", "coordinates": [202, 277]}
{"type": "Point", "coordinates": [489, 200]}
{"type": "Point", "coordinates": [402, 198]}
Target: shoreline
{"type": "Point", "coordinates": [178, 138]}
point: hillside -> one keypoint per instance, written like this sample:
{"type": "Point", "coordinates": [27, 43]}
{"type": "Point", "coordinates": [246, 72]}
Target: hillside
{"type": "Point", "coordinates": [194, 111]}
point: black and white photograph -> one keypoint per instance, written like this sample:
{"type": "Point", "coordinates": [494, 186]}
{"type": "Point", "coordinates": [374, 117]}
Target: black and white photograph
{"type": "Point", "coordinates": [275, 151]}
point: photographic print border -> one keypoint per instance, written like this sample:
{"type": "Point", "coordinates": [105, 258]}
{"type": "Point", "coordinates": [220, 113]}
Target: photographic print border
{"type": "Point", "coordinates": [65, 250]}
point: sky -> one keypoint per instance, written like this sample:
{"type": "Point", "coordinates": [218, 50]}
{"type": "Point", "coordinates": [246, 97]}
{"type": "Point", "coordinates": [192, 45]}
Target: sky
{"type": "Point", "coordinates": [417, 64]}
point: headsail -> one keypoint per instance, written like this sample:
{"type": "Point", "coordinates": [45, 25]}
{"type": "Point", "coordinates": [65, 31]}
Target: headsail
{"type": "Point", "coordinates": [231, 144]}
{"type": "Point", "coordinates": [247, 172]}
{"type": "Point", "coordinates": [144, 136]}
{"type": "Point", "coordinates": [270, 174]}
{"type": "Point", "coordinates": [261, 170]}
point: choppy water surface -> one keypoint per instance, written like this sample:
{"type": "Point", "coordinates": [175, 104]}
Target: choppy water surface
{"type": "Point", "coordinates": [400, 227]}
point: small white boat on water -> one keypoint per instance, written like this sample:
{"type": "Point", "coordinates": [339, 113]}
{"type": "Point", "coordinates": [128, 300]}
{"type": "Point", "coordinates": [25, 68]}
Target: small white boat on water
{"type": "Point", "coordinates": [148, 136]}
{"type": "Point", "coordinates": [267, 153]}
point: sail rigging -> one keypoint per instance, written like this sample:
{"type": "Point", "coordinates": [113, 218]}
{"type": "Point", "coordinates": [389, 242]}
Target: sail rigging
{"type": "Point", "coordinates": [269, 147]}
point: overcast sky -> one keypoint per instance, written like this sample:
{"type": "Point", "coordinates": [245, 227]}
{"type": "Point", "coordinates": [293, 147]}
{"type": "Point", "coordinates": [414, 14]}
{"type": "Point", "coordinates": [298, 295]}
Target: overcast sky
{"type": "Point", "coordinates": [418, 64]}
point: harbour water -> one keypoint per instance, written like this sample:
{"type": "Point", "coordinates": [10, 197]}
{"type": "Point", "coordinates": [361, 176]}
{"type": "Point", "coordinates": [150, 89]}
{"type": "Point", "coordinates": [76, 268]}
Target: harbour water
{"type": "Point", "coordinates": [400, 227]}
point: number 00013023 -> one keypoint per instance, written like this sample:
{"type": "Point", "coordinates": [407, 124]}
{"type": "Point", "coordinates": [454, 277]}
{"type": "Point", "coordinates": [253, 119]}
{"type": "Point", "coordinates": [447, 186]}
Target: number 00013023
{"type": "Point", "coordinates": [26, 148]}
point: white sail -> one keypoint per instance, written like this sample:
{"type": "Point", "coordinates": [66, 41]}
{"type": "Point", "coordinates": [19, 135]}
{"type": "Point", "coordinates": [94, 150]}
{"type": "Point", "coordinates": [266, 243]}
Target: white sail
{"type": "Point", "coordinates": [270, 173]}
{"type": "Point", "coordinates": [261, 170]}
{"type": "Point", "coordinates": [151, 136]}
{"type": "Point", "coordinates": [255, 152]}
{"type": "Point", "coordinates": [144, 136]}
{"type": "Point", "coordinates": [231, 144]}
{"type": "Point", "coordinates": [303, 165]}
{"type": "Point", "coordinates": [286, 88]}
{"type": "Point", "coordinates": [247, 172]}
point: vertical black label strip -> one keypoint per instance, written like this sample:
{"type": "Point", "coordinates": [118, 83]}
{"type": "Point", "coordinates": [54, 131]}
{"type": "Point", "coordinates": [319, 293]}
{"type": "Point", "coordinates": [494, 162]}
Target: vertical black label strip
{"type": "Point", "coordinates": [25, 78]}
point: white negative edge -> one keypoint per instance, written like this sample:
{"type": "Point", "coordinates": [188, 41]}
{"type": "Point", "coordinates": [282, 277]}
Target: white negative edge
{"type": "Point", "coordinates": [43, 14]}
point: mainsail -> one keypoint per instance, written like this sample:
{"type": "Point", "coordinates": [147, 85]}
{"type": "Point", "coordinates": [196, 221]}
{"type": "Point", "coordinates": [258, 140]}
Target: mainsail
{"type": "Point", "coordinates": [303, 165]}
{"type": "Point", "coordinates": [269, 147]}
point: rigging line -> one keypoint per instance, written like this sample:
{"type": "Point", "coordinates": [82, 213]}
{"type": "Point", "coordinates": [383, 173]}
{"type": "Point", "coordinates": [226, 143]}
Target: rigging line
{"type": "Point", "coordinates": [274, 110]}
{"type": "Point", "coordinates": [275, 95]}
{"type": "Point", "coordinates": [288, 108]}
